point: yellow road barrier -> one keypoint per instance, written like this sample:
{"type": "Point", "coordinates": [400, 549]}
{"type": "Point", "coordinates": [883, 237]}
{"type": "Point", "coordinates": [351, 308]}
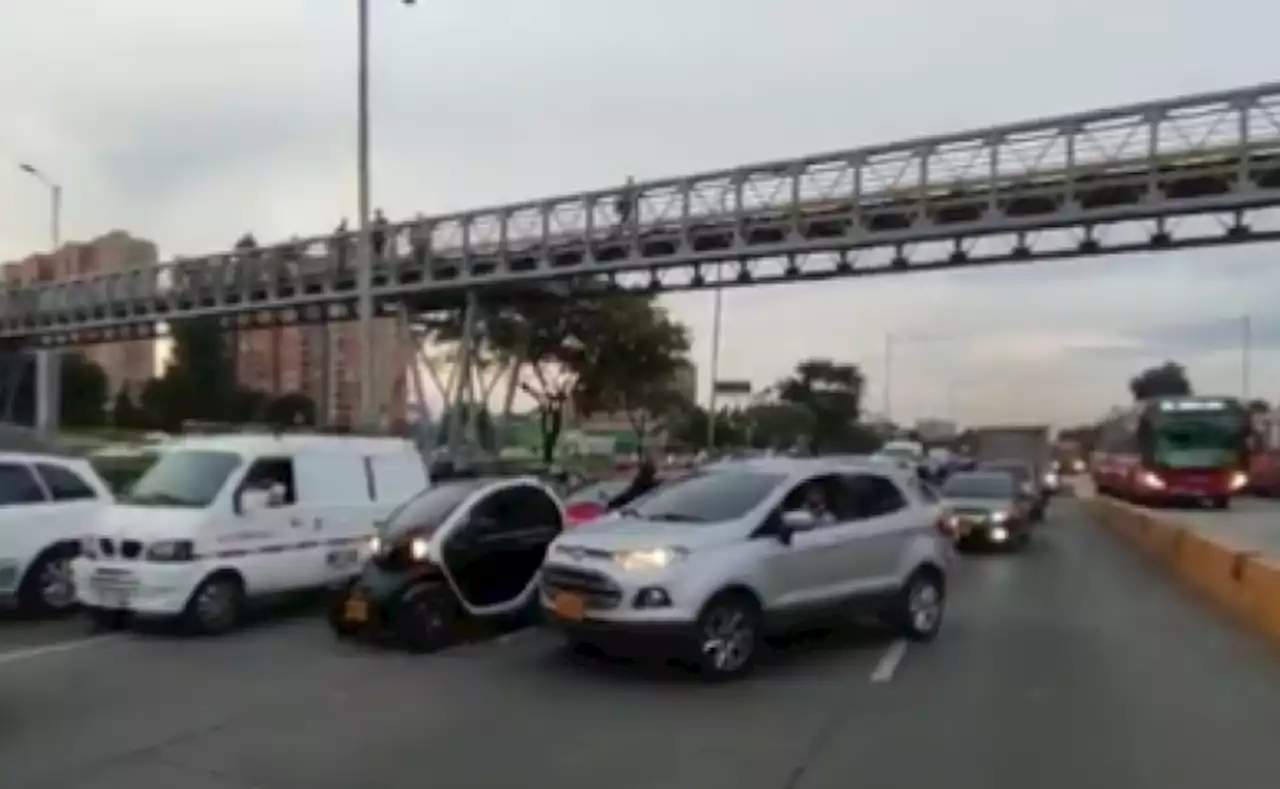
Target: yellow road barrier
{"type": "Point", "coordinates": [1243, 584]}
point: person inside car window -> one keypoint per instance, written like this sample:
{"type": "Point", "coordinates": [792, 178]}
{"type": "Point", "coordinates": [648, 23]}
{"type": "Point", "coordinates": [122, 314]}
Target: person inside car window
{"type": "Point", "coordinates": [815, 501]}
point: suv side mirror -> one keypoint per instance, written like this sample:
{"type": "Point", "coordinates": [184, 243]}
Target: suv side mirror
{"type": "Point", "coordinates": [798, 520]}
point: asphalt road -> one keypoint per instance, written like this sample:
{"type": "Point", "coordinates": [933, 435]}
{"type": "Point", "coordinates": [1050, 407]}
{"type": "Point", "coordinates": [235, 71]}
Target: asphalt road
{"type": "Point", "coordinates": [1073, 665]}
{"type": "Point", "coordinates": [1252, 524]}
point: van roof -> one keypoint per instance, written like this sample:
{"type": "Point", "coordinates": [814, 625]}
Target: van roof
{"type": "Point", "coordinates": [259, 444]}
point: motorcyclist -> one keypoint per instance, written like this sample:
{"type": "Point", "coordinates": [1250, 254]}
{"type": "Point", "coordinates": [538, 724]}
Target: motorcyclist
{"type": "Point", "coordinates": [645, 480]}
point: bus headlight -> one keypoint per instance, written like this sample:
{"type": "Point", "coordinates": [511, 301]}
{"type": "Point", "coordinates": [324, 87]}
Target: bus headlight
{"type": "Point", "coordinates": [1238, 481]}
{"type": "Point", "coordinates": [1150, 480]}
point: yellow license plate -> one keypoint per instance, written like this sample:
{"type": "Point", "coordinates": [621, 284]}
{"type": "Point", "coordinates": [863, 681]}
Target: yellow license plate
{"type": "Point", "coordinates": [569, 606]}
{"type": "Point", "coordinates": [356, 610]}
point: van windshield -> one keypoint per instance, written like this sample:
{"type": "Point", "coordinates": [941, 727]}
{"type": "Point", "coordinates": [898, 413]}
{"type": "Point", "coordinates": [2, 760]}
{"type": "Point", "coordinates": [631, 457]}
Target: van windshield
{"type": "Point", "coordinates": [183, 478]}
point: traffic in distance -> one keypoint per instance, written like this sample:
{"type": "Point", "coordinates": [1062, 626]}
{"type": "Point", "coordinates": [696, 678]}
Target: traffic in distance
{"type": "Point", "coordinates": [700, 564]}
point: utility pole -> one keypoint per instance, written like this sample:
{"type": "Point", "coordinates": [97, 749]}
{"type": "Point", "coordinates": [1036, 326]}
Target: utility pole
{"type": "Point", "coordinates": [48, 376]}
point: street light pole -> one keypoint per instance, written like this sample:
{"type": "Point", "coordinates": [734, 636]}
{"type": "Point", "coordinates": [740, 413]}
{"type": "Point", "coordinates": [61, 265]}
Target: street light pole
{"type": "Point", "coordinates": [364, 250]}
{"type": "Point", "coordinates": [887, 405]}
{"type": "Point", "coordinates": [717, 309]}
{"type": "Point", "coordinates": [48, 375]}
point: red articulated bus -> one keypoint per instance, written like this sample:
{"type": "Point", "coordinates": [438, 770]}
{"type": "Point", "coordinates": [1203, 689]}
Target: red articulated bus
{"type": "Point", "coordinates": [1175, 450]}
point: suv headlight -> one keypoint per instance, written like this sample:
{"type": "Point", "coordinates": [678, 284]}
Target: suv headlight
{"type": "Point", "coordinates": [649, 559]}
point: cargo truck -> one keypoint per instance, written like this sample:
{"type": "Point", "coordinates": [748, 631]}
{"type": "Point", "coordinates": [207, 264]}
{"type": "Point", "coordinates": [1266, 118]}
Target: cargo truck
{"type": "Point", "coordinates": [1027, 445]}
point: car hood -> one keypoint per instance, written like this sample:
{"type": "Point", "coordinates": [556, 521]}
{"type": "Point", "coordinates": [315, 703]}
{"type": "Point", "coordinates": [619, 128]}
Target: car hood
{"type": "Point", "coordinates": [123, 521]}
{"type": "Point", "coordinates": [618, 533]}
{"type": "Point", "coordinates": [977, 505]}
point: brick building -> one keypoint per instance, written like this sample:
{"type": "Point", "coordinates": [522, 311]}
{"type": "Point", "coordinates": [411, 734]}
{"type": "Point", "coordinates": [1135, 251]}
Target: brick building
{"type": "Point", "coordinates": [128, 364]}
{"type": "Point", "coordinates": [324, 363]}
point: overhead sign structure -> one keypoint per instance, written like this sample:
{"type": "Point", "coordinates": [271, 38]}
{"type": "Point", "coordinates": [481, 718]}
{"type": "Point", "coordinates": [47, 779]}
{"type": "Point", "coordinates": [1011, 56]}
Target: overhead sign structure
{"type": "Point", "coordinates": [732, 387]}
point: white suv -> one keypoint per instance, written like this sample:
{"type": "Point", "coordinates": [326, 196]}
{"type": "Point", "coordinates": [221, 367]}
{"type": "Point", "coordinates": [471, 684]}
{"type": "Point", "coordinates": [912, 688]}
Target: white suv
{"type": "Point", "coordinates": [47, 503]}
{"type": "Point", "coordinates": [709, 564]}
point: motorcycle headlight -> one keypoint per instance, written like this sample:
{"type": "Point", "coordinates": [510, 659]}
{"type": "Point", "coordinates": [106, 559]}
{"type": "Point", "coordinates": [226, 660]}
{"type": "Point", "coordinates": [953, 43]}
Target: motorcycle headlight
{"type": "Point", "coordinates": [651, 559]}
{"type": "Point", "coordinates": [999, 516]}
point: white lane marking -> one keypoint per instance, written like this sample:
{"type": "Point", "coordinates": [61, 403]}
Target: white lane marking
{"type": "Point", "coordinates": [889, 661]}
{"type": "Point", "coordinates": [18, 655]}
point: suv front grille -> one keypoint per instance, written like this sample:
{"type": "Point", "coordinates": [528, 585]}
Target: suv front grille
{"type": "Point", "coordinates": [599, 591]}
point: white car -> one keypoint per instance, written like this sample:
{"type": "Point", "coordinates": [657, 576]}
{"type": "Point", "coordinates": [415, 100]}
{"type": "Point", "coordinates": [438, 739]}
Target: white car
{"type": "Point", "coordinates": [707, 565]}
{"type": "Point", "coordinates": [220, 522]}
{"type": "Point", "coordinates": [46, 503]}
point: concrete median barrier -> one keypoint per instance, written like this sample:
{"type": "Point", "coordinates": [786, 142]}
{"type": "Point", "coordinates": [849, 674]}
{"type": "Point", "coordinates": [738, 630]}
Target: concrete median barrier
{"type": "Point", "coordinates": [1244, 584]}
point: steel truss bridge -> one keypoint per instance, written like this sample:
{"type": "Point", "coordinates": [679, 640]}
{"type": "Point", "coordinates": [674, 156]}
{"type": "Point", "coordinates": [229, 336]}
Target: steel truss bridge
{"type": "Point", "coordinates": [986, 196]}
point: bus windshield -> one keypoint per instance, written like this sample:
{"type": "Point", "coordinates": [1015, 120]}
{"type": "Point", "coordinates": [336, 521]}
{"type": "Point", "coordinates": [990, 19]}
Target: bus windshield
{"type": "Point", "coordinates": [1206, 439]}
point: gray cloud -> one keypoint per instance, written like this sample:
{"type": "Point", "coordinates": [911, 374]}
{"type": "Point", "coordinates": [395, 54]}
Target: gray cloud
{"type": "Point", "coordinates": [192, 123]}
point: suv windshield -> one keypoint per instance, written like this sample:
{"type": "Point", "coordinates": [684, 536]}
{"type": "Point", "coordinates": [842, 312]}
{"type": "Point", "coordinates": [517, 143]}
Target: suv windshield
{"type": "Point", "coordinates": [979, 486]}
{"type": "Point", "coordinates": [427, 511]}
{"type": "Point", "coordinates": [183, 478]}
{"type": "Point", "coordinates": [706, 497]}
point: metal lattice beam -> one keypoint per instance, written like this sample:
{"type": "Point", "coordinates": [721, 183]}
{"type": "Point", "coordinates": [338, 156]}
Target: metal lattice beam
{"type": "Point", "coordinates": [1212, 154]}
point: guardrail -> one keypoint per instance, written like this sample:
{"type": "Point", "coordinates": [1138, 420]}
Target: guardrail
{"type": "Point", "coordinates": [1245, 584]}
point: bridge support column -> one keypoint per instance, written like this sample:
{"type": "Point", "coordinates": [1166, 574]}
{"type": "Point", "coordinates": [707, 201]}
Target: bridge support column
{"type": "Point", "coordinates": [48, 390]}
{"type": "Point", "coordinates": [461, 416]}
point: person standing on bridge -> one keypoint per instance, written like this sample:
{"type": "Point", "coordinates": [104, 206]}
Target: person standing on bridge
{"type": "Point", "coordinates": [378, 233]}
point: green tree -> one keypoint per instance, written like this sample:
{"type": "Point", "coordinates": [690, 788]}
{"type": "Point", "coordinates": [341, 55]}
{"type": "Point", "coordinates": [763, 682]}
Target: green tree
{"type": "Point", "coordinates": [294, 409]}
{"type": "Point", "coordinates": [631, 364]}
{"type": "Point", "coordinates": [82, 397]}
{"type": "Point", "coordinates": [832, 393]}
{"type": "Point", "coordinates": [1165, 380]}
{"type": "Point", "coordinates": [777, 425]}
{"type": "Point", "coordinates": [540, 336]}
{"type": "Point", "coordinates": [125, 413]}
{"type": "Point", "coordinates": [84, 392]}
{"type": "Point", "coordinates": [199, 379]}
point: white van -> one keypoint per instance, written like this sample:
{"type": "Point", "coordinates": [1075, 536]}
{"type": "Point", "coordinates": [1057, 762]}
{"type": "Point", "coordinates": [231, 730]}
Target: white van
{"type": "Point", "coordinates": [221, 521]}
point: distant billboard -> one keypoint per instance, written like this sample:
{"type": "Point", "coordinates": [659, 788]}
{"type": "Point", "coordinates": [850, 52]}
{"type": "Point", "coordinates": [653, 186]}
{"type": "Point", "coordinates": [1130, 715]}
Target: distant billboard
{"type": "Point", "coordinates": [732, 387]}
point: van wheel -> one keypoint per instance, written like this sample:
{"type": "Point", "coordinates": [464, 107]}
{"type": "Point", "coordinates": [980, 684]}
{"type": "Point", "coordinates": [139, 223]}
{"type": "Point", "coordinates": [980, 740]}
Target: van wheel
{"type": "Point", "coordinates": [49, 587]}
{"type": "Point", "coordinates": [427, 621]}
{"type": "Point", "coordinates": [216, 606]}
{"type": "Point", "coordinates": [728, 637]}
{"type": "Point", "coordinates": [917, 612]}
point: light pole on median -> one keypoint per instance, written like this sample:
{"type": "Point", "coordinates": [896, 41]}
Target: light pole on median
{"type": "Point", "coordinates": [48, 375]}
{"type": "Point", "coordinates": [364, 243]}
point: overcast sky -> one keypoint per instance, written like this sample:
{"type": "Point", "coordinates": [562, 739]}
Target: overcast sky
{"type": "Point", "coordinates": [192, 122]}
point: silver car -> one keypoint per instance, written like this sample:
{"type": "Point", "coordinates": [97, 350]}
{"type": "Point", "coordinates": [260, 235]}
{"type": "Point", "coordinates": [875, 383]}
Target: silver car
{"type": "Point", "coordinates": [707, 565]}
{"type": "Point", "coordinates": [987, 507]}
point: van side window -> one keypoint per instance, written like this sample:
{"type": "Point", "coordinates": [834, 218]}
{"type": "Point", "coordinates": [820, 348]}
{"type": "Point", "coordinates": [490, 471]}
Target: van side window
{"type": "Point", "coordinates": [64, 484]}
{"type": "Point", "coordinates": [19, 486]}
{"type": "Point", "coordinates": [266, 472]}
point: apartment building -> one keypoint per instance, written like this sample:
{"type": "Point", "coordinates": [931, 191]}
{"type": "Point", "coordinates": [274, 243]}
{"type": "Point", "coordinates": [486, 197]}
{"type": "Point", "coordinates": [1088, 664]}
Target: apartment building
{"type": "Point", "coordinates": [128, 364]}
{"type": "Point", "coordinates": [324, 362]}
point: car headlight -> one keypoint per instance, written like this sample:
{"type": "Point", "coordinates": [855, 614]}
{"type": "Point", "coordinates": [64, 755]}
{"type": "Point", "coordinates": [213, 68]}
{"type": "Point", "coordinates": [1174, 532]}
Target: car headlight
{"type": "Point", "coordinates": [650, 559]}
{"type": "Point", "coordinates": [375, 545]}
{"type": "Point", "coordinates": [999, 516]}
{"type": "Point", "coordinates": [419, 549]}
